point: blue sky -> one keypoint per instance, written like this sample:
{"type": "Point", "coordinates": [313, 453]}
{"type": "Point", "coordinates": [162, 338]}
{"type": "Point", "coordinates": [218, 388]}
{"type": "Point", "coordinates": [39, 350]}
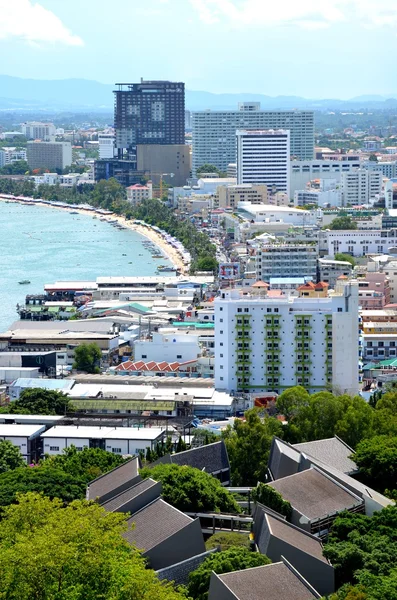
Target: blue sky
{"type": "Point", "coordinates": [334, 48]}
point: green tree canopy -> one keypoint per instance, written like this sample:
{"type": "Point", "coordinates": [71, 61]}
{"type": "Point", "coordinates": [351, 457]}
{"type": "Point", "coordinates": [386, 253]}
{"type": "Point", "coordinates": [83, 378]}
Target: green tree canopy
{"type": "Point", "coordinates": [87, 357]}
{"type": "Point", "coordinates": [207, 168]}
{"type": "Point", "coordinates": [10, 457]}
{"type": "Point", "coordinates": [72, 553]}
{"type": "Point", "coordinates": [248, 444]}
{"type": "Point", "coordinates": [233, 559]}
{"type": "Point", "coordinates": [268, 496]}
{"type": "Point", "coordinates": [292, 401]}
{"type": "Point", "coordinates": [191, 490]}
{"type": "Point", "coordinates": [86, 464]}
{"type": "Point", "coordinates": [345, 258]}
{"type": "Point", "coordinates": [207, 263]}
{"type": "Point", "coordinates": [39, 401]}
{"type": "Point", "coordinates": [343, 222]}
{"type": "Point", "coordinates": [377, 459]}
{"type": "Point", "coordinates": [51, 481]}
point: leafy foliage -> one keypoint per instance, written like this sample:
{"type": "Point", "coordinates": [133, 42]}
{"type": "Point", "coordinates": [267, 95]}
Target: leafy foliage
{"type": "Point", "coordinates": [51, 481]}
{"type": "Point", "coordinates": [364, 549]}
{"type": "Point", "coordinates": [266, 495]}
{"type": "Point", "coordinates": [377, 460]}
{"type": "Point", "coordinates": [86, 464]}
{"type": "Point", "coordinates": [233, 559]}
{"type": "Point", "coordinates": [224, 541]}
{"type": "Point", "coordinates": [342, 222]}
{"type": "Point", "coordinates": [10, 457]}
{"type": "Point", "coordinates": [345, 257]}
{"type": "Point", "coordinates": [87, 357]}
{"type": "Point", "coordinates": [248, 444]}
{"type": "Point", "coordinates": [191, 490]}
{"type": "Point", "coordinates": [72, 553]}
{"type": "Point", "coordinates": [38, 401]}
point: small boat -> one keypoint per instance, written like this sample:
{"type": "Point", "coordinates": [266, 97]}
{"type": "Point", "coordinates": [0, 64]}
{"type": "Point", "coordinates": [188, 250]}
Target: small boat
{"type": "Point", "coordinates": [73, 212]}
{"type": "Point", "coordinates": [24, 281]}
{"type": "Point", "coordinates": [166, 268]}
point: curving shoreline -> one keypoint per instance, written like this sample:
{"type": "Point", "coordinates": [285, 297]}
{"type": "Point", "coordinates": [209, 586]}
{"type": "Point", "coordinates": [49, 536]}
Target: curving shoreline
{"type": "Point", "coordinates": [144, 229]}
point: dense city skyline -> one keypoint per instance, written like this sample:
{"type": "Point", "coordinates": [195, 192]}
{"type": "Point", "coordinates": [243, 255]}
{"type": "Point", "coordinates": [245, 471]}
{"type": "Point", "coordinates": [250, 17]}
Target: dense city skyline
{"type": "Point", "coordinates": [195, 41]}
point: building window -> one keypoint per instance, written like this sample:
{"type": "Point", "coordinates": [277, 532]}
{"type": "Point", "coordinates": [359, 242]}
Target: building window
{"type": "Point", "coordinates": [221, 378]}
{"type": "Point", "coordinates": [179, 355]}
{"type": "Point", "coordinates": [144, 355]}
{"type": "Point", "coordinates": [116, 450]}
{"type": "Point", "coordinates": [54, 448]}
{"type": "Point", "coordinates": [240, 310]}
{"type": "Point", "coordinates": [340, 309]}
{"type": "Point", "coordinates": [246, 310]}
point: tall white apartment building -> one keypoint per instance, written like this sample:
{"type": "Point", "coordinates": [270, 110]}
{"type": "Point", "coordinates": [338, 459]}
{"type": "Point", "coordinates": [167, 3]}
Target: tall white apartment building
{"type": "Point", "coordinates": [270, 344]}
{"type": "Point", "coordinates": [318, 197]}
{"type": "Point", "coordinates": [35, 130]}
{"type": "Point", "coordinates": [9, 155]}
{"type": "Point", "coordinates": [106, 145]}
{"type": "Point", "coordinates": [387, 168]}
{"type": "Point", "coordinates": [303, 171]}
{"type": "Point", "coordinates": [263, 156]}
{"type": "Point", "coordinates": [360, 185]}
{"type": "Point", "coordinates": [214, 132]}
{"type": "Point", "coordinates": [286, 260]}
{"type": "Point", "coordinates": [360, 242]}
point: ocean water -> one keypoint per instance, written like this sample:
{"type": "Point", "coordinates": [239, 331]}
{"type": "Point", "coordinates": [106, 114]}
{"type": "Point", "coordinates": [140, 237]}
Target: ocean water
{"type": "Point", "coordinates": [44, 245]}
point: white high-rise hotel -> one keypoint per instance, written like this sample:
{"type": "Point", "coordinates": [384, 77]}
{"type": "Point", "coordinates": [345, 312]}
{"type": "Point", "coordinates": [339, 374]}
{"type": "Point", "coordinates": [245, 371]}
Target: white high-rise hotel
{"type": "Point", "coordinates": [263, 156]}
{"type": "Point", "coordinates": [270, 344]}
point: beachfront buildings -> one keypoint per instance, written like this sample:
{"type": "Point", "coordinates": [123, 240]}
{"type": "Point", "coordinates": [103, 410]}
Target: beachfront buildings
{"type": "Point", "coordinates": [49, 155]}
{"type": "Point", "coordinates": [137, 193]}
{"type": "Point", "coordinates": [263, 156]}
{"type": "Point", "coordinates": [214, 132]}
{"type": "Point", "coordinates": [264, 343]}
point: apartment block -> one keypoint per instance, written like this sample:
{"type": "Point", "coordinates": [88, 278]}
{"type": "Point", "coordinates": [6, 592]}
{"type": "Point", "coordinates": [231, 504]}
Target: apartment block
{"type": "Point", "coordinates": [231, 195]}
{"type": "Point", "coordinates": [270, 344]}
{"type": "Point", "coordinates": [35, 130]}
{"type": "Point", "coordinates": [263, 157]}
{"type": "Point", "coordinates": [106, 145]}
{"type": "Point", "coordinates": [49, 155]}
{"type": "Point", "coordinates": [329, 270]}
{"type": "Point", "coordinates": [138, 192]}
{"type": "Point", "coordinates": [286, 260]}
{"type": "Point", "coordinates": [214, 132]}
{"type": "Point", "coordinates": [358, 242]}
{"type": "Point", "coordinates": [359, 186]}
{"type": "Point", "coordinates": [303, 171]}
{"type": "Point", "coordinates": [9, 155]}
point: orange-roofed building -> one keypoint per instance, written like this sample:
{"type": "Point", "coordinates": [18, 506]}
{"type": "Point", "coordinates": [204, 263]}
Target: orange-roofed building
{"type": "Point", "coordinates": [313, 290]}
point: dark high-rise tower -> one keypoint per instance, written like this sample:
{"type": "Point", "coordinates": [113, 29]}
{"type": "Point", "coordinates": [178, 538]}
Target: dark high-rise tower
{"type": "Point", "coordinates": [149, 112]}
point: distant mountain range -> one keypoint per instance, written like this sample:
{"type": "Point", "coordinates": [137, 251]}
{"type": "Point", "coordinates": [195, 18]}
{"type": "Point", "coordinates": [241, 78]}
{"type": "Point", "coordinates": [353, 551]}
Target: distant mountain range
{"type": "Point", "coordinates": [83, 94]}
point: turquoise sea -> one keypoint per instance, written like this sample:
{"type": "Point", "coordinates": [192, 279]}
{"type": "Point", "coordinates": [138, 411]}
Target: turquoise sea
{"type": "Point", "coordinates": [44, 245]}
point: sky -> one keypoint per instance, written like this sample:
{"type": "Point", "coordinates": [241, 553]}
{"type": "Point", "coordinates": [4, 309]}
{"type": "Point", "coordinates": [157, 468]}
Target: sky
{"type": "Point", "coordinates": [310, 48]}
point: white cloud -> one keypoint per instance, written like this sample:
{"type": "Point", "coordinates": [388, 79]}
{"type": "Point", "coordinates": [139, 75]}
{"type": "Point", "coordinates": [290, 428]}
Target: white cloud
{"type": "Point", "coordinates": [308, 14]}
{"type": "Point", "coordinates": [29, 21]}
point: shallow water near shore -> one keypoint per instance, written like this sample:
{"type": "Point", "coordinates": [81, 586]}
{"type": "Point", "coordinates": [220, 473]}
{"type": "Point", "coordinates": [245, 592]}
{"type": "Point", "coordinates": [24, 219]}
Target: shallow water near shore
{"type": "Point", "coordinates": [44, 245]}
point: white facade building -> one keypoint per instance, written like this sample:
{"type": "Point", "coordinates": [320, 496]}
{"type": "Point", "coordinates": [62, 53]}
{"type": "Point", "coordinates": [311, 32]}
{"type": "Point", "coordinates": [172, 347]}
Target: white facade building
{"type": "Point", "coordinates": [330, 270]}
{"type": "Point", "coordinates": [360, 242]}
{"type": "Point", "coordinates": [214, 132]}
{"type": "Point", "coordinates": [35, 130]}
{"type": "Point", "coordinates": [137, 193]}
{"type": "Point", "coordinates": [267, 213]}
{"type": "Point", "coordinates": [318, 197]}
{"type": "Point", "coordinates": [286, 260]}
{"type": "Point", "coordinates": [264, 344]}
{"type": "Point", "coordinates": [106, 145]}
{"type": "Point", "coordinates": [387, 168]}
{"type": "Point", "coordinates": [263, 157]}
{"type": "Point", "coordinates": [168, 346]}
{"type": "Point", "coordinates": [9, 155]}
{"type": "Point", "coordinates": [360, 185]}
{"type": "Point", "coordinates": [118, 440]}
{"type": "Point", "coordinates": [303, 171]}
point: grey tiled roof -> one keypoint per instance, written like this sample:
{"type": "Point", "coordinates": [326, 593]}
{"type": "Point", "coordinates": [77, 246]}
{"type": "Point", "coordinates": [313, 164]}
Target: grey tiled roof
{"type": "Point", "coordinates": [179, 573]}
{"type": "Point", "coordinates": [313, 494]}
{"type": "Point", "coordinates": [154, 524]}
{"type": "Point", "coordinates": [331, 451]}
{"type": "Point", "coordinates": [296, 537]}
{"type": "Point", "coordinates": [118, 501]}
{"type": "Point", "coordinates": [119, 476]}
{"type": "Point", "coordinates": [271, 582]}
{"type": "Point", "coordinates": [212, 458]}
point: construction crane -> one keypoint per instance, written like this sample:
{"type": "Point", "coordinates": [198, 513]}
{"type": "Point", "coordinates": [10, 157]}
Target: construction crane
{"type": "Point", "coordinates": [161, 175]}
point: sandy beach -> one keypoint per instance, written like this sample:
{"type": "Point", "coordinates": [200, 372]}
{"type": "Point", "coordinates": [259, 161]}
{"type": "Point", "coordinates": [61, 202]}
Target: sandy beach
{"type": "Point", "coordinates": [169, 251]}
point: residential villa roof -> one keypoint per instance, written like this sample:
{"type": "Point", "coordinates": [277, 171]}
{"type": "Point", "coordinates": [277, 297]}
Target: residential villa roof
{"type": "Point", "coordinates": [273, 582]}
{"type": "Point", "coordinates": [179, 572]}
{"type": "Point", "coordinates": [114, 480]}
{"type": "Point", "coordinates": [331, 451]}
{"type": "Point", "coordinates": [211, 458]}
{"type": "Point", "coordinates": [117, 502]}
{"type": "Point", "coordinates": [260, 284]}
{"type": "Point", "coordinates": [154, 524]}
{"type": "Point", "coordinates": [295, 537]}
{"type": "Point", "coordinates": [315, 495]}
{"type": "Point", "coordinates": [164, 366]}
{"type": "Point", "coordinates": [310, 286]}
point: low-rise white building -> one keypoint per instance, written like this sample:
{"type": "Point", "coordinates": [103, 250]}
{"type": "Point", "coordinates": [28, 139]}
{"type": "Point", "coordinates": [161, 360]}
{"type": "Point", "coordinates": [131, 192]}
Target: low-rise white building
{"type": "Point", "coordinates": [10, 155]}
{"type": "Point", "coordinates": [118, 440]}
{"type": "Point", "coordinates": [330, 270]}
{"type": "Point", "coordinates": [24, 437]}
{"type": "Point", "coordinates": [137, 193]}
{"type": "Point", "coordinates": [168, 346]}
{"type": "Point", "coordinates": [318, 197]}
{"type": "Point", "coordinates": [106, 145]}
{"type": "Point", "coordinates": [267, 213]}
{"type": "Point", "coordinates": [270, 344]}
{"type": "Point", "coordinates": [360, 242]}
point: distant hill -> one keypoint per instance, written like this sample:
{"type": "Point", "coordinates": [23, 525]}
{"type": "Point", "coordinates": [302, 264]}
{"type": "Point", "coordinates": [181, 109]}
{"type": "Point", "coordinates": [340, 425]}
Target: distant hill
{"type": "Point", "coordinates": [84, 94]}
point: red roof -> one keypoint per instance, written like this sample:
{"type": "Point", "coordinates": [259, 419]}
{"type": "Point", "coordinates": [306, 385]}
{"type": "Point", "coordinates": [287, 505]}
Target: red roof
{"type": "Point", "coordinates": [152, 366]}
